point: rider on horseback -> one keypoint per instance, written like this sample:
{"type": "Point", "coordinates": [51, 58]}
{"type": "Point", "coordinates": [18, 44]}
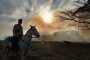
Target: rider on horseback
{"type": "Point", "coordinates": [17, 33]}
{"type": "Point", "coordinates": [18, 30]}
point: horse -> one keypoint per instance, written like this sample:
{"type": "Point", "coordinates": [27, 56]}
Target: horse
{"type": "Point", "coordinates": [23, 44]}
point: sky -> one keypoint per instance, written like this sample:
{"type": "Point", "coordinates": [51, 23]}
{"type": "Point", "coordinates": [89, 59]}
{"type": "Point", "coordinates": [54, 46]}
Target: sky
{"type": "Point", "coordinates": [32, 12]}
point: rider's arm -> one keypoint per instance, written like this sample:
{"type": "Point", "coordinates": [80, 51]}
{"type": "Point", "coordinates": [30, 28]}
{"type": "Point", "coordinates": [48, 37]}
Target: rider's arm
{"type": "Point", "coordinates": [14, 29]}
{"type": "Point", "coordinates": [22, 30]}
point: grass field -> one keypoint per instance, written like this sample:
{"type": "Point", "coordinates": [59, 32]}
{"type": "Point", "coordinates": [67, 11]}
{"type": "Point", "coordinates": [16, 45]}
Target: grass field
{"type": "Point", "coordinates": [55, 51]}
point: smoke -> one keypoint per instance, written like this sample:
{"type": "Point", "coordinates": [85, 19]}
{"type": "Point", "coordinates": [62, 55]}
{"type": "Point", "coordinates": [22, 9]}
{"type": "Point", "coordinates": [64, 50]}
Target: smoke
{"type": "Point", "coordinates": [42, 26]}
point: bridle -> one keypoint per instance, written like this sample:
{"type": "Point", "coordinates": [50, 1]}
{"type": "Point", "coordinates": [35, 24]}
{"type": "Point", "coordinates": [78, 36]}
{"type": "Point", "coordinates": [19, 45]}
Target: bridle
{"type": "Point", "coordinates": [28, 37]}
{"type": "Point", "coordinates": [25, 41]}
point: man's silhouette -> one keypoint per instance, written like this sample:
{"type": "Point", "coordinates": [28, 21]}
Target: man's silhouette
{"type": "Point", "coordinates": [18, 30]}
{"type": "Point", "coordinates": [17, 33]}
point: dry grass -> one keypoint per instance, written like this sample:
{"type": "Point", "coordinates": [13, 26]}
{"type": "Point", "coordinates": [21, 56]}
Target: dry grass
{"type": "Point", "coordinates": [55, 51]}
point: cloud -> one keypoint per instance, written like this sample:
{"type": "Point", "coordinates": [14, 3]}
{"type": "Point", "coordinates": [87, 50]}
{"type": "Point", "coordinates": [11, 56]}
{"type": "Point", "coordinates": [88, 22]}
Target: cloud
{"type": "Point", "coordinates": [23, 7]}
{"type": "Point", "coordinates": [8, 6]}
{"type": "Point", "coordinates": [6, 19]}
{"type": "Point", "coordinates": [12, 10]}
{"type": "Point", "coordinates": [5, 29]}
{"type": "Point", "coordinates": [56, 4]}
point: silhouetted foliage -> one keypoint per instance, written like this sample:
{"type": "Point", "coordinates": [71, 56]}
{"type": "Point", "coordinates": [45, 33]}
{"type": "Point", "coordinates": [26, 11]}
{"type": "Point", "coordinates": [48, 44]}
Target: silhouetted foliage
{"type": "Point", "coordinates": [84, 8]}
{"type": "Point", "coordinates": [79, 18]}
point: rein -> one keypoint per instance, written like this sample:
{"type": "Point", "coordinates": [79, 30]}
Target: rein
{"type": "Point", "coordinates": [28, 37]}
{"type": "Point", "coordinates": [26, 42]}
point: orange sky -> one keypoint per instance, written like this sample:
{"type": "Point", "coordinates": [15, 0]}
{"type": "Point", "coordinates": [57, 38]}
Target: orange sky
{"type": "Point", "coordinates": [42, 26]}
{"type": "Point", "coordinates": [52, 27]}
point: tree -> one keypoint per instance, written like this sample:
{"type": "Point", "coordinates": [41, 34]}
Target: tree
{"type": "Point", "coordinates": [84, 8]}
{"type": "Point", "coordinates": [80, 18]}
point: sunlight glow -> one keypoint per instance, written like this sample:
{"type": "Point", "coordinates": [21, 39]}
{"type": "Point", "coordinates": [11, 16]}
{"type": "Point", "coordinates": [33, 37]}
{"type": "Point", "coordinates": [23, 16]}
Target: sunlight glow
{"type": "Point", "coordinates": [47, 17]}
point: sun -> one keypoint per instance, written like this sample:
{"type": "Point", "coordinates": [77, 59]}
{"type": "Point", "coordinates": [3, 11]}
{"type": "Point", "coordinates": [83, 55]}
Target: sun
{"type": "Point", "coordinates": [47, 17]}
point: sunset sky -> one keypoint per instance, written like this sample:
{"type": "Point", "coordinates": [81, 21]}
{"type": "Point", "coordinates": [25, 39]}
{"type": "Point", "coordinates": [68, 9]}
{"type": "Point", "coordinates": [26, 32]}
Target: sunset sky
{"type": "Point", "coordinates": [35, 12]}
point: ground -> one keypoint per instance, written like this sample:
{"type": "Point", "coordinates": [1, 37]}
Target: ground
{"type": "Point", "coordinates": [54, 51]}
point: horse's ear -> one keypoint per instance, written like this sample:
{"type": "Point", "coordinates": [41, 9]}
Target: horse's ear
{"type": "Point", "coordinates": [30, 26]}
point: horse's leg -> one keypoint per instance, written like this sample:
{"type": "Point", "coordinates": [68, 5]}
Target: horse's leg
{"type": "Point", "coordinates": [5, 54]}
{"type": "Point", "coordinates": [5, 48]}
{"type": "Point", "coordinates": [26, 50]}
{"type": "Point", "coordinates": [22, 54]}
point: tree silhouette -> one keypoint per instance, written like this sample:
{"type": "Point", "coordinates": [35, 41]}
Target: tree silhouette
{"type": "Point", "coordinates": [84, 8]}
{"type": "Point", "coordinates": [80, 18]}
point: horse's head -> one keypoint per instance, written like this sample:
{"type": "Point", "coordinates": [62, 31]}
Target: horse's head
{"type": "Point", "coordinates": [34, 31]}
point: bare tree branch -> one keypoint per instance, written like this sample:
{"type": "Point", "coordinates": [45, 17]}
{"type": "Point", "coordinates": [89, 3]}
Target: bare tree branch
{"type": "Point", "coordinates": [85, 8]}
{"type": "Point", "coordinates": [77, 20]}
